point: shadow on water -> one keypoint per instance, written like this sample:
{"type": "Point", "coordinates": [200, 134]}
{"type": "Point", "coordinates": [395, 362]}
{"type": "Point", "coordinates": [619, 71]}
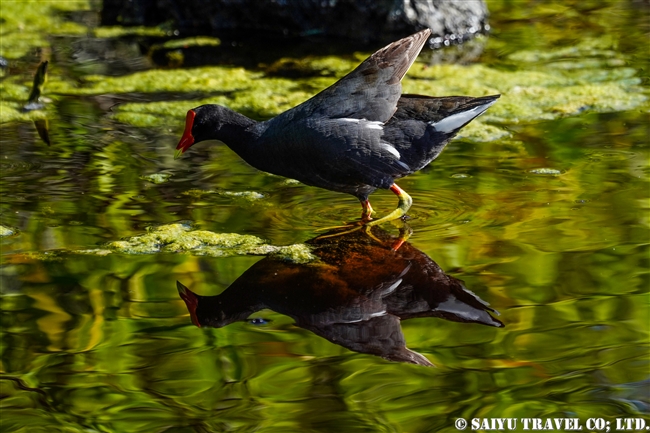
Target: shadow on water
{"type": "Point", "coordinates": [355, 295]}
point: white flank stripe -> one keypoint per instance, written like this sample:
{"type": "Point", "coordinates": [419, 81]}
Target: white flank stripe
{"type": "Point", "coordinates": [455, 121]}
{"type": "Point", "coordinates": [370, 316]}
{"type": "Point", "coordinates": [366, 123]}
{"type": "Point", "coordinates": [391, 149]}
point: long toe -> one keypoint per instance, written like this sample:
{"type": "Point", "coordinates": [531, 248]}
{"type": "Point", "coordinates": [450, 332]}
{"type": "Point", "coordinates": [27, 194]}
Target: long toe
{"type": "Point", "coordinates": [405, 233]}
{"type": "Point", "coordinates": [345, 226]}
{"type": "Point", "coordinates": [341, 233]}
{"type": "Point", "coordinates": [403, 206]}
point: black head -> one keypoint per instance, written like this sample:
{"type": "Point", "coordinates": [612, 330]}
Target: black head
{"type": "Point", "coordinates": [214, 311]}
{"type": "Point", "coordinates": [201, 123]}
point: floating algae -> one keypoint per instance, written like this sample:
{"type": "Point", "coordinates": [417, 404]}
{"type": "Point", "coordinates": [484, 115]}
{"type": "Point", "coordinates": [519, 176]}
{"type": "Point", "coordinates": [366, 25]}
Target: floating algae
{"type": "Point", "coordinates": [243, 196]}
{"type": "Point", "coordinates": [6, 231]}
{"type": "Point", "coordinates": [546, 171]}
{"type": "Point", "coordinates": [531, 93]}
{"type": "Point", "coordinates": [180, 238]}
{"type": "Point", "coordinates": [156, 178]}
{"type": "Point", "coordinates": [246, 195]}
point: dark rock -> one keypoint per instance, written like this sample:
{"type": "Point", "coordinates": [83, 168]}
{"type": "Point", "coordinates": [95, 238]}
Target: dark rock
{"type": "Point", "coordinates": [368, 21]}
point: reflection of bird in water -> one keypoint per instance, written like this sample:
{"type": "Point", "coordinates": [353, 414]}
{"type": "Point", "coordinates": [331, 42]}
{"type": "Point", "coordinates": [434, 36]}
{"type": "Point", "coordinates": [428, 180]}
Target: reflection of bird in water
{"type": "Point", "coordinates": [354, 295]}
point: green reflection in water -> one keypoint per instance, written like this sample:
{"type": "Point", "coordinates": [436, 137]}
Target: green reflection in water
{"type": "Point", "coordinates": [548, 223]}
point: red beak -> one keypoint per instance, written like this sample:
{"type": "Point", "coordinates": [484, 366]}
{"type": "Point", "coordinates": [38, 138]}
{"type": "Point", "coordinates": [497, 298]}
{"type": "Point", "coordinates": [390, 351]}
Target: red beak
{"type": "Point", "coordinates": [191, 301]}
{"type": "Point", "coordinates": [187, 140]}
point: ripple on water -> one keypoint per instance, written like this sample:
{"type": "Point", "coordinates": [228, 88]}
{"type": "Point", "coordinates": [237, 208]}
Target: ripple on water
{"type": "Point", "coordinates": [611, 155]}
{"type": "Point", "coordinates": [8, 167]}
{"type": "Point", "coordinates": [438, 212]}
{"type": "Point", "coordinates": [308, 209]}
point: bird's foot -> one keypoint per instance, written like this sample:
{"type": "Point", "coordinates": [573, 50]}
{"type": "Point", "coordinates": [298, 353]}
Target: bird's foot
{"type": "Point", "coordinates": [405, 232]}
{"type": "Point", "coordinates": [403, 206]}
{"type": "Point", "coordinates": [366, 215]}
{"type": "Point", "coordinates": [345, 226]}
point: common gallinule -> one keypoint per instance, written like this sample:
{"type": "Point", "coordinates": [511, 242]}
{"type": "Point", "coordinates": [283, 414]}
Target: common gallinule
{"type": "Point", "coordinates": [357, 135]}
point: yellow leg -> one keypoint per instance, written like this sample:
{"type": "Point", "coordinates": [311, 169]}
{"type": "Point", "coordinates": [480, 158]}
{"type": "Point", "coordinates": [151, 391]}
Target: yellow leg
{"type": "Point", "coordinates": [405, 232]}
{"type": "Point", "coordinates": [366, 214]}
{"type": "Point", "coordinates": [405, 202]}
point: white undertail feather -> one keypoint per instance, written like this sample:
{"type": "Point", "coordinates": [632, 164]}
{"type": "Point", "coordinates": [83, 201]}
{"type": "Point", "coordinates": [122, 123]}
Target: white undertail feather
{"type": "Point", "coordinates": [453, 305]}
{"type": "Point", "coordinates": [458, 120]}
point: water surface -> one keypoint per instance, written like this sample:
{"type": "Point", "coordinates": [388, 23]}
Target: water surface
{"type": "Point", "coordinates": [545, 218]}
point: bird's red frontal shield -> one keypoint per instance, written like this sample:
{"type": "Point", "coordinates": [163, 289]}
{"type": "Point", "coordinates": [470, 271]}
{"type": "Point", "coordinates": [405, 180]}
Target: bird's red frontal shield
{"type": "Point", "coordinates": [187, 140]}
{"type": "Point", "coordinates": [191, 301]}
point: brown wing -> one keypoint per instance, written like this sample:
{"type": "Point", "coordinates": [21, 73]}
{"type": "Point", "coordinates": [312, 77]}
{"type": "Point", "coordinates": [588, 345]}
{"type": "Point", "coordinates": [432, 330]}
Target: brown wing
{"type": "Point", "coordinates": [372, 90]}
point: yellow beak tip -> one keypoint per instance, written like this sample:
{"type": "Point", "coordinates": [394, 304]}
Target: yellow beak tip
{"type": "Point", "coordinates": [178, 153]}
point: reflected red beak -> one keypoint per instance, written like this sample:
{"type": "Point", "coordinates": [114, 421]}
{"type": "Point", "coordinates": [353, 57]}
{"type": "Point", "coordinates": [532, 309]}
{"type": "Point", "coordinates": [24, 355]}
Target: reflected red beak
{"type": "Point", "coordinates": [191, 301]}
{"type": "Point", "coordinates": [187, 140]}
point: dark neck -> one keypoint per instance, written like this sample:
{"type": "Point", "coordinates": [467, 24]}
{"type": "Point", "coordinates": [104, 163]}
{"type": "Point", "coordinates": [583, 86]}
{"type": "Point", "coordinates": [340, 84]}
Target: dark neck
{"type": "Point", "coordinates": [228, 307]}
{"type": "Point", "coordinates": [238, 132]}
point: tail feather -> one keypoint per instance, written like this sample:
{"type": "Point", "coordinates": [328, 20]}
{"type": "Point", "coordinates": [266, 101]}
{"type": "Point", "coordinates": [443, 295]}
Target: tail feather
{"type": "Point", "coordinates": [462, 117]}
{"type": "Point", "coordinates": [433, 109]}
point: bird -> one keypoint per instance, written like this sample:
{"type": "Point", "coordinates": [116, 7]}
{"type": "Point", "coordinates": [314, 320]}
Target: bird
{"type": "Point", "coordinates": [356, 136]}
